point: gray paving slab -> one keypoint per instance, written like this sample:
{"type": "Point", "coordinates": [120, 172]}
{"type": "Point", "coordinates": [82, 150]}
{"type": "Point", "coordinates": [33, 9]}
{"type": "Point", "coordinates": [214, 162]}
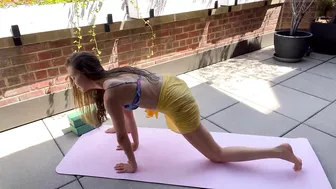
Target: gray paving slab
{"type": "Point", "coordinates": [102, 183]}
{"type": "Point", "coordinates": [66, 142]}
{"type": "Point", "coordinates": [314, 85]}
{"type": "Point", "coordinates": [224, 68]}
{"type": "Point", "coordinates": [211, 100]}
{"type": "Point", "coordinates": [58, 125]}
{"type": "Point", "coordinates": [303, 65]}
{"type": "Point", "coordinates": [262, 54]}
{"type": "Point", "coordinates": [29, 157]}
{"type": "Point", "coordinates": [212, 127]}
{"type": "Point", "coordinates": [272, 71]}
{"type": "Point", "coordinates": [277, 72]}
{"type": "Point", "coordinates": [333, 60]}
{"type": "Point", "coordinates": [289, 102]}
{"type": "Point", "coordinates": [73, 185]}
{"type": "Point", "coordinates": [326, 69]}
{"type": "Point", "coordinates": [59, 128]}
{"type": "Point", "coordinates": [190, 81]}
{"type": "Point", "coordinates": [325, 120]}
{"type": "Point", "coordinates": [229, 76]}
{"type": "Point", "coordinates": [323, 146]}
{"type": "Point", "coordinates": [319, 56]}
{"type": "Point", "coordinates": [245, 119]}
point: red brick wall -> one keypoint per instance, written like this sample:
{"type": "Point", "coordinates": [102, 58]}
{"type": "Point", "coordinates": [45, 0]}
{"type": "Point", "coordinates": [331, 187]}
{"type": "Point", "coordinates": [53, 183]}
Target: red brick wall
{"type": "Point", "coordinates": [34, 70]}
{"type": "Point", "coordinates": [286, 16]}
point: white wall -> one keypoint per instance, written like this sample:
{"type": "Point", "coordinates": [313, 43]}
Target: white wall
{"type": "Point", "coordinates": [248, 1]}
{"type": "Point", "coordinates": [239, 2]}
{"type": "Point", "coordinates": [33, 19]}
{"type": "Point", "coordinates": [226, 2]}
{"type": "Point", "coordinates": [167, 7]}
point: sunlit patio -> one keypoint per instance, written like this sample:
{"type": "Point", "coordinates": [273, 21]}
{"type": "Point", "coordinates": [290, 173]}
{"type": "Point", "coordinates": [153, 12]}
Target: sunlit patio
{"type": "Point", "coordinates": [249, 94]}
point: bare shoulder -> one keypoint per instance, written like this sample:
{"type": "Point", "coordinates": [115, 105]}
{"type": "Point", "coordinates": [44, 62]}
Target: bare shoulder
{"type": "Point", "coordinates": [114, 91]}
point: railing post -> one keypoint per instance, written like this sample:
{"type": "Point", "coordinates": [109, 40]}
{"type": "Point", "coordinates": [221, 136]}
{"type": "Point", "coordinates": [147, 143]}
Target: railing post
{"type": "Point", "coordinates": [16, 35]}
{"type": "Point", "coordinates": [109, 21]}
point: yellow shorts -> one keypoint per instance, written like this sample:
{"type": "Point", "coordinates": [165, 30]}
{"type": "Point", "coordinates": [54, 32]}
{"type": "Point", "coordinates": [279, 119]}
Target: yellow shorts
{"type": "Point", "coordinates": [178, 105]}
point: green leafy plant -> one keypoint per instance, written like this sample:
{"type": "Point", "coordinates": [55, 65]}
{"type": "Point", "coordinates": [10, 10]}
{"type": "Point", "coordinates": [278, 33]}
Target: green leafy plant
{"type": "Point", "coordinates": [324, 6]}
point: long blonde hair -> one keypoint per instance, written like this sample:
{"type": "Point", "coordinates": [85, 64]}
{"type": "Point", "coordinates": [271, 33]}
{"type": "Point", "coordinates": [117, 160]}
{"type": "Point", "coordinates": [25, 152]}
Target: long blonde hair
{"type": "Point", "coordinates": [91, 103]}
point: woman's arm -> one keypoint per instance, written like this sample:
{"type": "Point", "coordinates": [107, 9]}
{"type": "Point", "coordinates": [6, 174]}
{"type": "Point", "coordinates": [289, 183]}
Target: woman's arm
{"type": "Point", "coordinates": [132, 127]}
{"type": "Point", "coordinates": [114, 106]}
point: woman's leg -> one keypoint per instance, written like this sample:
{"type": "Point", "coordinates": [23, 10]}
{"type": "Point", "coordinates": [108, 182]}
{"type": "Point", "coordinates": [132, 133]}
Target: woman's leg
{"type": "Point", "coordinates": [202, 140]}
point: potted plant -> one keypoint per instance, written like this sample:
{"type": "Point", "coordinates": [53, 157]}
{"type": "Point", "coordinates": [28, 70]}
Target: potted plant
{"type": "Point", "coordinates": [291, 45]}
{"type": "Point", "coordinates": [324, 28]}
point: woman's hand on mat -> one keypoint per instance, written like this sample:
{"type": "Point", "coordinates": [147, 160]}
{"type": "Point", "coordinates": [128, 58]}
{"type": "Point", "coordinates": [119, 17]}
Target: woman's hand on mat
{"type": "Point", "coordinates": [134, 146]}
{"type": "Point", "coordinates": [112, 130]}
{"type": "Point", "coordinates": [126, 167]}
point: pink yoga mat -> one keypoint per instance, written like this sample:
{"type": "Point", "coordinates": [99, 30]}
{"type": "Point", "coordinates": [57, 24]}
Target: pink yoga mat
{"type": "Point", "coordinates": [167, 158]}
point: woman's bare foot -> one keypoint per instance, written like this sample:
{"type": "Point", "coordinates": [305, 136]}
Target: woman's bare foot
{"type": "Point", "coordinates": [112, 130]}
{"type": "Point", "coordinates": [288, 154]}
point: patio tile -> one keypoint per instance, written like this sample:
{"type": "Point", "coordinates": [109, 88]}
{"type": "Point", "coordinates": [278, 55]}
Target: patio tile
{"type": "Point", "coordinates": [271, 71]}
{"type": "Point", "coordinates": [262, 54]}
{"type": "Point", "coordinates": [245, 119]}
{"type": "Point", "coordinates": [327, 70]}
{"type": "Point", "coordinates": [325, 120]}
{"type": "Point", "coordinates": [66, 141]}
{"type": "Point", "coordinates": [333, 60]}
{"type": "Point", "coordinates": [304, 65]}
{"type": "Point", "coordinates": [102, 183]}
{"type": "Point", "coordinates": [314, 85]}
{"type": "Point", "coordinates": [211, 100]}
{"type": "Point", "coordinates": [72, 185]}
{"type": "Point", "coordinates": [58, 125]}
{"type": "Point", "coordinates": [289, 102]}
{"type": "Point", "coordinates": [319, 56]}
{"type": "Point", "coordinates": [225, 68]}
{"type": "Point", "coordinates": [240, 85]}
{"type": "Point", "coordinates": [212, 127]}
{"type": "Point", "coordinates": [233, 76]}
{"type": "Point", "coordinates": [59, 128]}
{"type": "Point", "coordinates": [322, 145]}
{"type": "Point", "coordinates": [191, 81]}
{"type": "Point", "coordinates": [29, 157]}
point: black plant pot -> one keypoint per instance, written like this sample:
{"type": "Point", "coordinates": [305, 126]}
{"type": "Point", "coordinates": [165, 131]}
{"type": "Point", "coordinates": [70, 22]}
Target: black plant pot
{"type": "Point", "coordinates": [291, 48]}
{"type": "Point", "coordinates": [324, 38]}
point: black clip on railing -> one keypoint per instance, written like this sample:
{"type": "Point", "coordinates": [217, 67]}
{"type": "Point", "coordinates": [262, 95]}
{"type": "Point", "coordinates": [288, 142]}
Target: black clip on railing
{"type": "Point", "coordinates": [109, 21]}
{"type": "Point", "coordinates": [16, 35]}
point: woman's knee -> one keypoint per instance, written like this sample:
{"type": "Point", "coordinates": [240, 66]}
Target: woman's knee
{"type": "Point", "coordinates": [215, 160]}
{"type": "Point", "coordinates": [216, 157]}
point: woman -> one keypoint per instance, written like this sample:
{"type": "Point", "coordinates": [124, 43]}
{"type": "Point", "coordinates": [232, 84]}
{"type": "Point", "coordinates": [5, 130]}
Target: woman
{"type": "Point", "coordinates": [121, 90]}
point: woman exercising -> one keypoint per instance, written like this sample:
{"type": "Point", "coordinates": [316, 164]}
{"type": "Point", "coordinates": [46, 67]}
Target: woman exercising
{"type": "Point", "coordinates": [120, 90]}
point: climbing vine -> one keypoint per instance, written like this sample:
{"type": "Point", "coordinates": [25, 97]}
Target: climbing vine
{"type": "Point", "coordinates": [81, 4]}
{"type": "Point", "coordinates": [151, 49]}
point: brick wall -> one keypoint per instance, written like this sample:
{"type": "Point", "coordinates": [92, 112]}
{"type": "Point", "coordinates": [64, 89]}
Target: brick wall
{"type": "Point", "coordinates": [286, 16]}
{"type": "Point", "coordinates": [34, 70]}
